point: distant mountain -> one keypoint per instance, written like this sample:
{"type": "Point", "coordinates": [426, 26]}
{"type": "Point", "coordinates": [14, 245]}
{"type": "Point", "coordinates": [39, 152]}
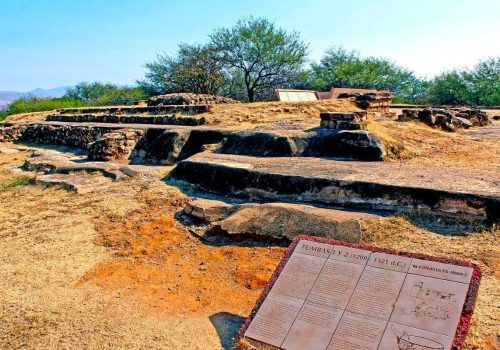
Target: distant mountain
{"type": "Point", "coordinates": [7, 97]}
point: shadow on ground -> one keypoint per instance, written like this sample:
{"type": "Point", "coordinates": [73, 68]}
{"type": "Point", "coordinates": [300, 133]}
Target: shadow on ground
{"type": "Point", "coordinates": [448, 226]}
{"type": "Point", "coordinates": [58, 148]}
{"type": "Point", "coordinates": [226, 325]}
{"type": "Point", "coordinates": [206, 234]}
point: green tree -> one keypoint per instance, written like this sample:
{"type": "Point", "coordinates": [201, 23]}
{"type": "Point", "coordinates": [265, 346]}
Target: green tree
{"type": "Point", "coordinates": [484, 82]}
{"type": "Point", "coordinates": [343, 68]}
{"type": "Point", "coordinates": [91, 91]}
{"type": "Point", "coordinates": [449, 88]}
{"type": "Point", "coordinates": [477, 86]}
{"type": "Point", "coordinates": [195, 68]}
{"type": "Point", "coordinates": [261, 55]}
{"type": "Point", "coordinates": [121, 96]}
{"type": "Point", "coordinates": [103, 94]}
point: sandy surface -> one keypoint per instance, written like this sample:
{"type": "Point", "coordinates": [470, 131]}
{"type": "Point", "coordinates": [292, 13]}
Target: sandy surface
{"type": "Point", "coordinates": [111, 270]}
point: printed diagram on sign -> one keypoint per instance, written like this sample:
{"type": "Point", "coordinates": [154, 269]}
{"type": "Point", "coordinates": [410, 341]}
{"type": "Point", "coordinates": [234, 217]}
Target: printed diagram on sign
{"type": "Point", "coordinates": [412, 342]}
{"type": "Point", "coordinates": [429, 302]}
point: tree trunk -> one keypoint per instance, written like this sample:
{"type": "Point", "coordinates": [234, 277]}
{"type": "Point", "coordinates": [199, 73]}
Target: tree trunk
{"type": "Point", "coordinates": [251, 96]}
{"type": "Point", "coordinates": [250, 90]}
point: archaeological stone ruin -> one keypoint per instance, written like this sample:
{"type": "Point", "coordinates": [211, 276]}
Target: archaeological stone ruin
{"type": "Point", "coordinates": [254, 184]}
{"type": "Point", "coordinates": [338, 163]}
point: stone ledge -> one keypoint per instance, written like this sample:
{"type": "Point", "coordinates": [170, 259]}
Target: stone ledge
{"type": "Point", "coordinates": [78, 183]}
{"type": "Point", "coordinates": [347, 144]}
{"type": "Point", "coordinates": [364, 185]}
{"type": "Point", "coordinates": [277, 221]}
{"type": "Point", "coordinates": [56, 163]}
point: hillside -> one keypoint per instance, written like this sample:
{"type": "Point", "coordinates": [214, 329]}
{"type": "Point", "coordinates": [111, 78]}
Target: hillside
{"type": "Point", "coordinates": [7, 97]}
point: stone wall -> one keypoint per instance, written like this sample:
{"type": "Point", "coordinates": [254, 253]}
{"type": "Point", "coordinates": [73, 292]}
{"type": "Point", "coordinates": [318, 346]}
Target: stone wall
{"type": "Point", "coordinates": [151, 144]}
{"type": "Point", "coordinates": [185, 109]}
{"type": "Point", "coordinates": [349, 144]}
{"type": "Point", "coordinates": [69, 135]}
{"type": "Point", "coordinates": [371, 102]}
{"type": "Point", "coordinates": [114, 145]}
{"type": "Point", "coordinates": [343, 120]}
{"type": "Point", "coordinates": [128, 119]}
{"type": "Point", "coordinates": [11, 133]}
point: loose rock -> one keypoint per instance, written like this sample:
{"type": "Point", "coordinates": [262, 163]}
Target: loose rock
{"type": "Point", "coordinates": [343, 120]}
{"type": "Point", "coordinates": [209, 210]}
{"type": "Point", "coordinates": [188, 99]}
{"type": "Point", "coordinates": [285, 221]}
{"type": "Point", "coordinates": [448, 119]}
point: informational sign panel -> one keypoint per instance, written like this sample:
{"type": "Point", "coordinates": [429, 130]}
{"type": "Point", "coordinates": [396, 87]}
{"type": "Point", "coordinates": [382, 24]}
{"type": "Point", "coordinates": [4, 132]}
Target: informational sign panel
{"type": "Point", "coordinates": [285, 95]}
{"type": "Point", "coordinates": [328, 295]}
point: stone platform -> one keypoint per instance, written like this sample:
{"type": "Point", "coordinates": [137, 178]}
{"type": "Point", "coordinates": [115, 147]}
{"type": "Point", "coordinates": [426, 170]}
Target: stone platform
{"type": "Point", "coordinates": [367, 185]}
{"type": "Point", "coordinates": [161, 144]}
{"type": "Point", "coordinates": [169, 143]}
{"type": "Point", "coordinates": [321, 142]}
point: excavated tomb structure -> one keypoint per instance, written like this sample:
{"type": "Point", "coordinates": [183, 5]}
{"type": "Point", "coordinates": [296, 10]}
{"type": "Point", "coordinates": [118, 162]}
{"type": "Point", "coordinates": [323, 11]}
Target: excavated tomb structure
{"type": "Point", "coordinates": [337, 164]}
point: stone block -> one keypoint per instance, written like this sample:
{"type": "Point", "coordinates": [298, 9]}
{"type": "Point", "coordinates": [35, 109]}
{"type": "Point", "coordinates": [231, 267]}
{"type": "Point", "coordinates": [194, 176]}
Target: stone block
{"type": "Point", "coordinates": [343, 120]}
{"type": "Point", "coordinates": [281, 221]}
{"type": "Point", "coordinates": [208, 210]}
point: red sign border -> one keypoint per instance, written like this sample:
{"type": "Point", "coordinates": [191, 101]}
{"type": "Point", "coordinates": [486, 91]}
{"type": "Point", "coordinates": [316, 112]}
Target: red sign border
{"type": "Point", "coordinates": [467, 311]}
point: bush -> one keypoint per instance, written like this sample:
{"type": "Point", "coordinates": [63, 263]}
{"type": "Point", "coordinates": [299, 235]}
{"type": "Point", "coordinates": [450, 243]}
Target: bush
{"type": "Point", "coordinates": [15, 183]}
{"type": "Point", "coordinates": [35, 104]}
{"type": "Point", "coordinates": [120, 96]}
{"type": "Point", "coordinates": [102, 94]}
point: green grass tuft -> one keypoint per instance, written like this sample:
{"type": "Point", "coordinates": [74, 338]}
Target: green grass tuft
{"type": "Point", "coordinates": [16, 182]}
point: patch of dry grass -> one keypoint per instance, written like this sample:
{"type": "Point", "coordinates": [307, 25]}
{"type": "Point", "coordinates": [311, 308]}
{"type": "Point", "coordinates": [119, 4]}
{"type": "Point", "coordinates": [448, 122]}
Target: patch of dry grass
{"type": "Point", "coordinates": [47, 243]}
{"type": "Point", "coordinates": [274, 115]}
{"type": "Point", "coordinates": [23, 117]}
{"type": "Point", "coordinates": [419, 143]}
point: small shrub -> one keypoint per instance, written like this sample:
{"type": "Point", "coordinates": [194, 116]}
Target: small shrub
{"type": "Point", "coordinates": [16, 182]}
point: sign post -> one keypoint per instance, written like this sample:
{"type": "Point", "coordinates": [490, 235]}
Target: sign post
{"type": "Point", "coordinates": [332, 295]}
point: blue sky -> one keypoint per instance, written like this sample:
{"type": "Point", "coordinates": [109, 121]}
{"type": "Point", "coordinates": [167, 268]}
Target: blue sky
{"type": "Point", "coordinates": [50, 43]}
